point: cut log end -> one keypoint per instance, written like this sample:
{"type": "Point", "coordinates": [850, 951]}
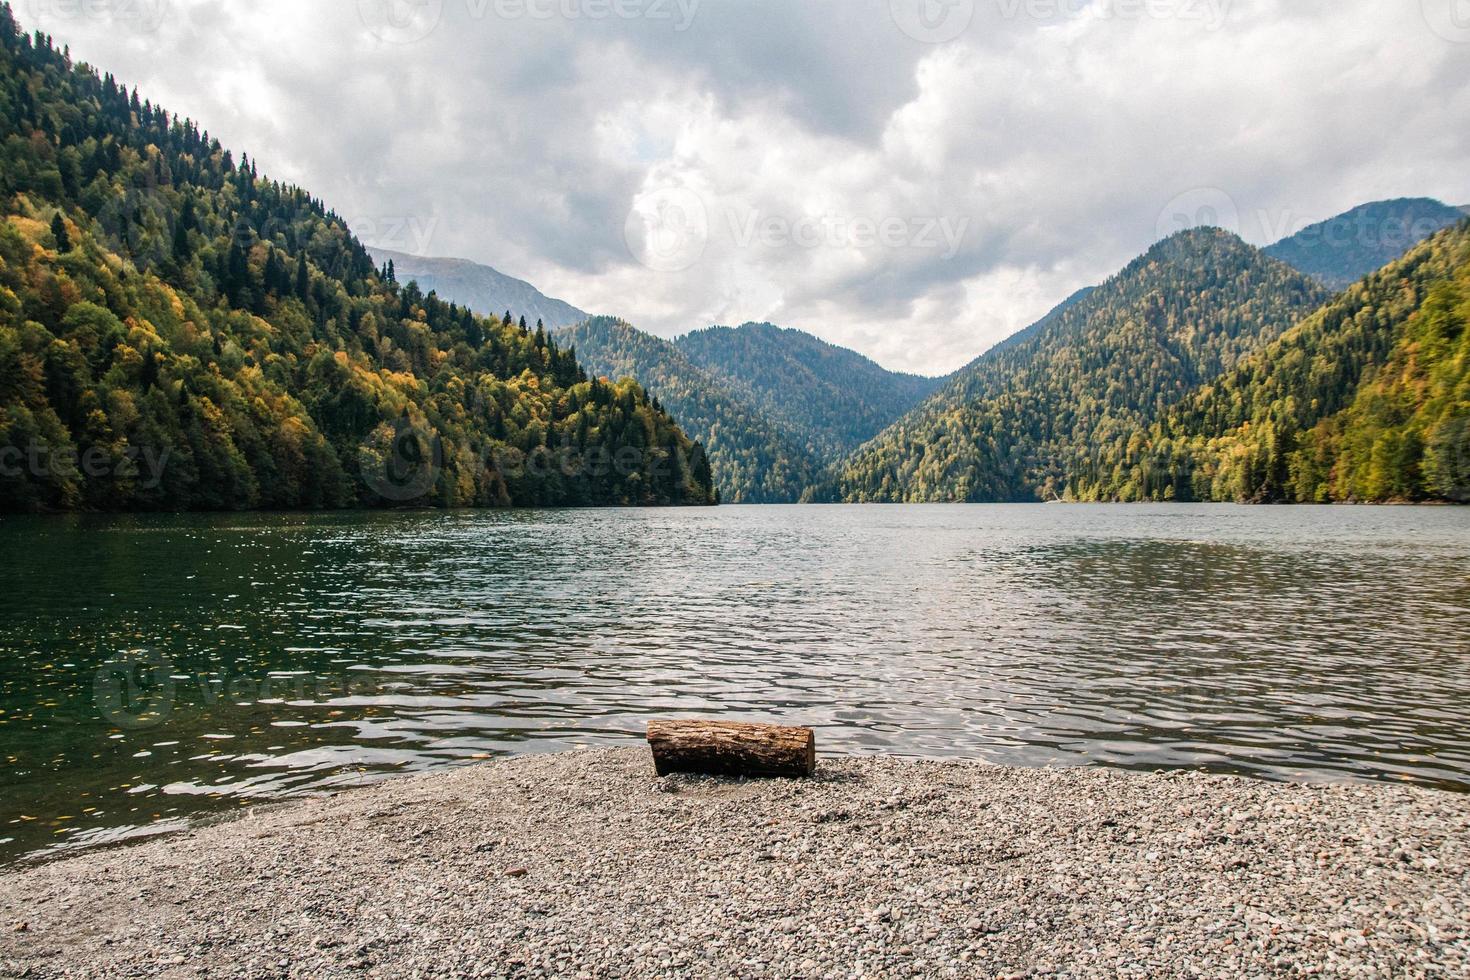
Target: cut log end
{"type": "Point", "coordinates": [728, 748]}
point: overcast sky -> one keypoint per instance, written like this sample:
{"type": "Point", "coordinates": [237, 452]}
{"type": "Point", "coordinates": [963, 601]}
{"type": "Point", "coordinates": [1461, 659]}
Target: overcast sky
{"type": "Point", "coordinates": [915, 179]}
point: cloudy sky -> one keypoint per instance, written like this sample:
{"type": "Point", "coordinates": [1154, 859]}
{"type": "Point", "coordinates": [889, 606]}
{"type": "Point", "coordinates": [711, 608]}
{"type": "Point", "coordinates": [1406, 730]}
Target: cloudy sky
{"type": "Point", "coordinates": [915, 179]}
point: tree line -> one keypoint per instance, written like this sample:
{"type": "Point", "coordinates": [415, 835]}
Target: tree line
{"type": "Point", "coordinates": [161, 300]}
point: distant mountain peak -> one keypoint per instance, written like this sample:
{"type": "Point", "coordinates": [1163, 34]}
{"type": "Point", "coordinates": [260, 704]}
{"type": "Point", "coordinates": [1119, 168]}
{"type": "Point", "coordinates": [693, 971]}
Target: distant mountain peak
{"type": "Point", "coordinates": [754, 459]}
{"type": "Point", "coordinates": [1345, 248]}
{"type": "Point", "coordinates": [1017, 422]}
{"type": "Point", "coordinates": [483, 289]}
{"type": "Point", "coordinates": [835, 398]}
{"type": "Point", "coordinates": [1203, 238]}
{"type": "Point", "coordinates": [797, 339]}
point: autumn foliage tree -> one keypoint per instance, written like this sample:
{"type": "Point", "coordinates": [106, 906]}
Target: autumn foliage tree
{"type": "Point", "coordinates": [178, 332]}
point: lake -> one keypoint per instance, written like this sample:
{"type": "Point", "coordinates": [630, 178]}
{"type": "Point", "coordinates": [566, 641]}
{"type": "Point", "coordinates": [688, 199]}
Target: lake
{"type": "Point", "coordinates": [156, 669]}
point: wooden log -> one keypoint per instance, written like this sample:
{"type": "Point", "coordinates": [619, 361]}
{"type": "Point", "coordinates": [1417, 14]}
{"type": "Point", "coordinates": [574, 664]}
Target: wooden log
{"type": "Point", "coordinates": [727, 748]}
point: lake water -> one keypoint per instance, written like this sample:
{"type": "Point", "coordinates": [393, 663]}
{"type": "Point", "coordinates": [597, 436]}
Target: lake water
{"type": "Point", "coordinates": [155, 669]}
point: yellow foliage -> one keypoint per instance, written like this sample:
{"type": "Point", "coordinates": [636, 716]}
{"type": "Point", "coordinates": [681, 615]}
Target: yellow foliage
{"type": "Point", "coordinates": [32, 230]}
{"type": "Point", "coordinates": [128, 357]}
{"type": "Point", "coordinates": [141, 333]}
{"type": "Point", "coordinates": [212, 414]}
{"type": "Point", "coordinates": [121, 408]}
{"type": "Point", "coordinates": [294, 431]}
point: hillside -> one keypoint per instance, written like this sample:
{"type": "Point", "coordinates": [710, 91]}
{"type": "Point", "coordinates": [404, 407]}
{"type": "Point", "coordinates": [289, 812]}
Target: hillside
{"type": "Point", "coordinates": [753, 459]}
{"type": "Point", "coordinates": [778, 404]}
{"type": "Point", "coordinates": [772, 407]}
{"type": "Point", "coordinates": [1341, 250]}
{"type": "Point", "coordinates": [1021, 336]}
{"type": "Point", "coordinates": [479, 287]}
{"type": "Point", "coordinates": [178, 332]}
{"type": "Point", "coordinates": [828, 395]}
{"type": "Point", "coordinates": [1013, 425]}
{"type": "Point", "coordinates": [833, 398]}
{"type": "Point", "coordinates": [1366, 400]}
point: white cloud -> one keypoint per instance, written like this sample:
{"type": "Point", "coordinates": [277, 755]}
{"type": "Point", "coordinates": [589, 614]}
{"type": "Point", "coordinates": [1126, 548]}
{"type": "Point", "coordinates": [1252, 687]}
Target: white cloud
{"type": "Point", "coordinates": [828, 149]}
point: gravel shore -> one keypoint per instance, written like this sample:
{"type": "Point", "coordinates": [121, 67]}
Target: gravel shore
{"type": "Point", "coordinates": [585, 864]}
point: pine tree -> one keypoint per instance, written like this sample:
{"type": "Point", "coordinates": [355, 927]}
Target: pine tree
{"type": "Point", "coordinates": [264, 410]}
{"type": "Point", "coordinates": [58, 232]}
{"type": "Point", "coordinates": [181, 242]}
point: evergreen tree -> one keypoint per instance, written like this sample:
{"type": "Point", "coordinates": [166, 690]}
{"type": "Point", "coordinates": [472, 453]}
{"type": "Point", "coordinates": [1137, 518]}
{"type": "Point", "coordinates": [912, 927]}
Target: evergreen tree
{"type": "Point", "coordinates": [1357, 402]}
{"type": "Point", "coordinates": [58, 232]}
{"type": "Point", "coordinates": [303, 278]}
{"type": "Point", "coordinates": [750, 458]}
{"type": "Point", "coordinates": [1042, 416]}
{"type": "Point", "coordinates": [254, 402]}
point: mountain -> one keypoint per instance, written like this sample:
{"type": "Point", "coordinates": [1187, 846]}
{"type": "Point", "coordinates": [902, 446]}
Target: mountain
{"type": "Point", "coordinates": [771, 406]}
{"type": "Point", "coordinates": [754, 460]}
{"type": "Point", "coordinates": [1366, 400]}
{"type": "Point", "coordinates": [792, 402]}
{"type": "Point", "coordinates": [1020, 336]}
{"type": "Point", "coordinates": [177, 332]}
{"type": "Point", "coordinates": [832, 397]}
{"type": "Point", "coordinates": [1341, 250]}
{"type": "Point", "coordinates": [1020, 421]}
{"type": "Point", "coordinates": [480, 288]}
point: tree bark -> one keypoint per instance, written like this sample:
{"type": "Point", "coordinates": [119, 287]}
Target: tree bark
{"type": "Point", "coordinates": [724, 748]}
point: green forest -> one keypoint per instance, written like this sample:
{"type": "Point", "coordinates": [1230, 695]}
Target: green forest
{"type": "Point", "coordinates": [1208, 371]}
{"type": "Point", "coordinates": [754, 459]}
{"type": "Point", "coordinates": [774, 407]}
{"type": "Point", "coordinates": [1343, 249]}
{"type": "Point", "coordinates": [1368, 399]}
{"type": "Point", "coordinates": [1014, 425]}
{"type": "Point", "coordinates": [178, 332]}
{"type": "Point", "coordinates": [834, 399]}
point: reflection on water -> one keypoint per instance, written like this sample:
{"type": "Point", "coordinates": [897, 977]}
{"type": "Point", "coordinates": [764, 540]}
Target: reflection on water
{"type": "Point", "coordinates": [152, 669]}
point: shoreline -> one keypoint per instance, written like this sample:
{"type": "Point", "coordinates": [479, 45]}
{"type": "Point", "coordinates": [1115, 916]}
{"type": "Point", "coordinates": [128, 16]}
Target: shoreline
{"type": "Point", "coordinates": [573, 509]}
{"type": "Point", "coordinates": [585, 863]}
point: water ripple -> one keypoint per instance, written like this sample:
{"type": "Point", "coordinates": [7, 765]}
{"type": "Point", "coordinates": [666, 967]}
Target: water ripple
{"type": "Point", "coordinates": [304, 654]}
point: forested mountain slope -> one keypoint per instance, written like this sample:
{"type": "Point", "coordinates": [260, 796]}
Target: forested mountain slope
{"type": "Point", "coordinates": [971, 380]}
{"type": "Point", "coordinates": [479, 287]}
{"type": "Point", "coordinates": [777, 404]}
{"type": "Point", "coordinates": [1366, 400]}
{"type": "Point", "coordinates": [1019, 420]}
{"type": "Point", "coordinates": [1021, 336]}
{"type": "Point", "coordinates": [832, 398]}
{"type": "Point", "coordinates": [1341, 250]}
{"type": "Point", "coordinates": [754, 460]}
{"type": "Point", "coordinates": [177, 332]}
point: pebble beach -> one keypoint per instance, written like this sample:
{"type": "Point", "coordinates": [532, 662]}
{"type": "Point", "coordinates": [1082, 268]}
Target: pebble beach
{"type": "Point", "coordinates": [585, 864]}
